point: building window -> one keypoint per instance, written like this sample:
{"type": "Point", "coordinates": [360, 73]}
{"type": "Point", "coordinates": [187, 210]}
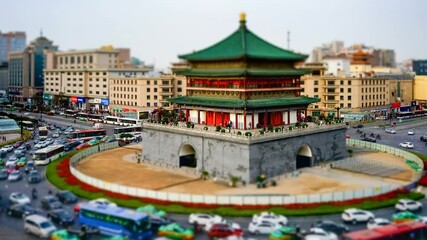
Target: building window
{"type": "Point", "coordinates": [148, 104]}
{"type": "Point", "coordinates": [179, 82]}
{"type": "Point", "coordinates": [155, 89]}
{"type": "Point", "coordinates": [349, 98]}
{"type": "Point", "coordinates": [341, 90]}
{"type": "Point", "coordinates": [179, 89]}
{"type": "Point", "coordinates": [316, 90]}
{"type": "Point", "coordinates": [349, 90]}
{"type": "Point", "coordinates": [349, 105]}
{"type": "Point", "coordinates": [155, 97]}
{"type": "Point", "coordinates": [148, 97]}
{"type": "Point", "coordinates": [104, 93]}
{"type": "Point", "coordinates": [342, 98]}
{"type": "Point", "coordinates": [97, 92]}
{"type": "Point", "coordinates": [148, 89]}
{"type": "Point", "coordinates": [316, 82]}
{"type": "Point", "coordinates": [341, 82]}
{"type": "Point", "coordinates": [90, 92]}
{"type": "Point", "coordinates": [349, 82]}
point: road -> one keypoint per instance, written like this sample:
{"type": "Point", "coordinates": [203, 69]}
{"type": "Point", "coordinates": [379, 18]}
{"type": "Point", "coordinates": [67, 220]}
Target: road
{"type": "Point", "coordinates": [12, 228]}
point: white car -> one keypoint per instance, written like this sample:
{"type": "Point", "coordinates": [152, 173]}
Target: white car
{"type": "Point", "coordinates": [14, 176]}
{"type": "Point", "coordinates": [55, 135]}
{"type": "Point", "coordinates": [390, 130]}
{"type": "Point", "coordinates": [19, 198]}
{"type": "Point", "coordinates": [406, 145]}
{"type": "Point", "coordinates": [203, 218]}
{"type": "Point", "coordinates": [377, 222]}
{"type": "Point", "coordinates": [411, 132]}
{"type": "Point", "coordinates": [320, 234]}
{"type": "Point", "coordinates": [354, 215]}
{"type": "Point", "coordinates": [262, 227]}
{"type": "Point", "coordinates": [7, 148]}
{"type": "Point", "coordinates": [12, 160]}
{"type": "Point", "coordinates": [103, 202]}
{"type": "Point", "coordinates": [270, 217]}
{"type": "Point", "coordinates": [38, 145]}
{"type": "Point", "coordinates": [408, 205]}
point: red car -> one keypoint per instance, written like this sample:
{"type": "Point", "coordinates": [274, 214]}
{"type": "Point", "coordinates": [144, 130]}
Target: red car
{"type": "Point", "coordinates": [347, 136]}
{"type": "Point", "coordinates": [18, 144]}
{"type": "Point", "coordinates": [220, 230]}
{"type": "Point", "coordinates": [83, 145]}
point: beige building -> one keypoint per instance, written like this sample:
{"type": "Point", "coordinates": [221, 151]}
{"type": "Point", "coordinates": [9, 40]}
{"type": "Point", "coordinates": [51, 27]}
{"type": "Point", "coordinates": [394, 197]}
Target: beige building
{"type": "Point", "coordinates": [420, 86]}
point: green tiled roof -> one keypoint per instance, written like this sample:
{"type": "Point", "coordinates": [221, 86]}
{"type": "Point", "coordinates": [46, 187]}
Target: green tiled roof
{"type": "Point", "coordinates": [238, 103]}
{"type": "Point", "coordinates": [243, 44]}
{"type": "Point", "coordinates": [242, 72]}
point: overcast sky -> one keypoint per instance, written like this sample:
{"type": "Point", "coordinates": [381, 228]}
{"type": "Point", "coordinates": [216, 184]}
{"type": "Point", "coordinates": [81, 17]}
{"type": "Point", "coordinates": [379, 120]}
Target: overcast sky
{"type": "Point", "coordinates": [157, 31]}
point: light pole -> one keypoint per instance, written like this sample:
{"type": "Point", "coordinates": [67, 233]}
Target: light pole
{"type": "Point", "coordinates": [338, 112]}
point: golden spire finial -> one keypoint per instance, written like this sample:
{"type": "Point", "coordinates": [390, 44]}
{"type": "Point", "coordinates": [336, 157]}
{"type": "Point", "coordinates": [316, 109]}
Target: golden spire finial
{"type": "Point", "coordinates": [242, 17]}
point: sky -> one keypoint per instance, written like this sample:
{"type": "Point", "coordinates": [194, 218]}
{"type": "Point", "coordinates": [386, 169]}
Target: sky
{"type": "Point", "coordinates": [157, 31]}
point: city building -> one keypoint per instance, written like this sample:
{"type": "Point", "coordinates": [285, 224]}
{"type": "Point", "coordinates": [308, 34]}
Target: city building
{"type": "Point", "coordinates": [420, 81]}
{"type": "Point", "coordinates": [11, 42]}
{"type": "Point", "coordinates": [337, 65]}
{"type": "Point", "coordinates": [245, 81]}
{"type": "Point", "coordinates": [419, 67]}
{"type": "Point", "coordinates": [327, 49]}
{"type": "Point", "coordinates": [26, 76]}
{"type": "Point", "coordinates": [4, 76]}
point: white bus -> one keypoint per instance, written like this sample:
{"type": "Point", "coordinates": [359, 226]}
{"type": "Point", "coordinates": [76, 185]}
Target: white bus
{"type": "Point", "coordinates": [134, 130]}
{"type": "Point", "coordinates": [111, 120]}
{"type": "Point", "coordinates": [43, 132]}
{"type": "Point", "coordinates": [48, 154]}
{"type": "Point", "coordinates": [129, 122]}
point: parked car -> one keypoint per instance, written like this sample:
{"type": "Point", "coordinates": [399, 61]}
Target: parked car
{"type": "Point", "coordinates": [38, 225]}
{"type": "Point", "coordinates": [20, 210]}
{"type": "Point", "coordinates": [19, 198]}
{"type": "Point", "coordinates": [270, 217]}
{"type": "Point", "coordinates": [408, 205]}
{"type": "Point", "coordinates": [175, 231]}
{"type": "Point", "coordinates": [66, 197]}
{"type": "Point", "coordinates": [408, 145]}
{"type": "Point", "coordinates": [377, 222]}
{"type": "Point", "coordinates": [16, 175]}
{"type": "Point", "coordinates": [203, 218]}
{"type": "Point", "coordinates": [354, 215]}
{"type": "Point", "coordinates": [390, 130]}
{"type": "Point", "coordinates": [50, 203]}
{"type": "Point", "coordinates": [262, 227]}
{"type": "Point", "coordinates": [61, 217]}
{"type": "Point", "coordinates": [34, 177]}
{"type": "Point", "coordinates": [93, 142]}
{"type": "Point", "coordinates": [331, 226]}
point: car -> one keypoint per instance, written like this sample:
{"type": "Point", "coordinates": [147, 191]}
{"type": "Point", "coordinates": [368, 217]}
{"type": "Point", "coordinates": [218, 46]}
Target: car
{"type": "Point", "coordinates": [411, 132]}
{"type": "Point", "coordinates": [55, 135]}
{"type": "Point", "coordinates": [347, 136]}
{"type": "Point", "coordinates": [60, 141]}
{"type": "Point", "coordinates": [112, 140]}
{"type": "Point", "coordinates": [72, 145]}
{"type": "Point", "coordinates": [20, 210]}
{"type": "Point", "coordinates": [331, 226]}
{"type": "Point", "coordinates": [19, 198]}
{"type": "Point", "coordinates": [20, 154]}
{"type": "Point", "coordinates": [156, 222]}
{"type": "Point", "coordinates": [3, 174]}
{"type": "Point", "coordinates": [408, 205]}
{"type": "Point", "coordinates": [405, 216]}
{"type": "Point", "coordinates": [103, 202]}
{"type": "Point", "coordinates": [104, 139]}
{"type": "Point", "coordinates": [27, 145]}
{"type": "Point", "coordinates": [93, 142]}
{"type": "Point", "coordinates": [262, 227]}
{"type": "Point", "coordinates": [319, 234]}
{"type": "Point", "coordinates": [39, 145]}
{"type": "Point", "coordinates": [12, 160]}
{"type": "Point", "coordinates": [18, 144]}
{"type": "Point", "coordinates": [14, 176]}
{"type": "Point", "coordinates": [408, 145]}
{"type": "Point", "coordinates": [203, 218]}
{"type": "Point", "coordinates": [286, 232]}
{"type": "Point", "coordinates": [270, 217]}
{"type": "Point", "coordinates": [175, 231]}
{"type": "Point", "coordinates": [83, 146]}
{"type": "Point", "coordinates": [38, 225]}
{"type": "Point", "coordinates": [61, 217]}
{"type": "Point", "coordinates": [358, 126]}
{"type": "Point", "coordinates": [152, 211]}
{"type": "Point", "coordinates": [11, 167]}
{"type": "Point", "coordinates": [390, 130]}
{"type": "Point", "coordinates": [354, 215]}
{"type": "Point", "coordinates": [66, 197]}
{"type": "Point", "coordinates": [21, 162]}
{"type": "Point", "coordinates": [2, 162]}
{"type": "Point", "coordinates": [50, 203]}
{"type": "Point", "coordinates": [22, 148]}
{"type": "Point", "coordinates": [31, 165]}
{"type": "Point", "coordinates": [7, 148]}
{"type": "Point", "coordinates": [231, 224]}
{"type": "Point", "coordinates": [220, 230]}
{"type": "Point", "coordinates": [34, 177]}
{"type": "Point", "coordinates": [377, 222]}
{"type": "Point", "coordinates": [423, 138]}
{"type": "Point", "coordinates": [17, 151]}
{"type": "Point", "coordinates": [369, 139]}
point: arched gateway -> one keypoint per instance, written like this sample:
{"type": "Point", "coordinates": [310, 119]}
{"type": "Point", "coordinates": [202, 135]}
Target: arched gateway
{"type": "Point", "coordinates": [304, 157]}
{"type": "Point", "coordinates": [187, 156]}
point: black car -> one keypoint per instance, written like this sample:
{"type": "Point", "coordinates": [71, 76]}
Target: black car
{"type": "Point", "coordinates": [50, 203]}
{"type": "Point", "coordinates": [156, 222]}
{"type": "Point", "coordinates": [358, 126]}
{"type": "Point", "coordinates": [423, 138]}
{"type": "Point", "coordinates": [61, 216]}
{"type": "Point", "coordinates": [66, 197]}
{"type": "Point", "coordinates": [29, 166]}
{"type": "Point", "coordinates": [3, 174]}
{"type": "Point", "coordinates": [331, 226]}
{"type": "Point", "coordinates": [27, 145]}
{"type": "Point", "coordinates": [34, 177]}
{"type": "Point", "coordinates": [70, 146]}
{"type": "Point", "coordinates": [369, 139]}
{"type": "Point", "coordinates": [20, 210]}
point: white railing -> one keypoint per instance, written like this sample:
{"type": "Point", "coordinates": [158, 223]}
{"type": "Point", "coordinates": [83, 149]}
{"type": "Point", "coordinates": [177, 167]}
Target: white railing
{"type": "Point", "coordinates": [239, 200]}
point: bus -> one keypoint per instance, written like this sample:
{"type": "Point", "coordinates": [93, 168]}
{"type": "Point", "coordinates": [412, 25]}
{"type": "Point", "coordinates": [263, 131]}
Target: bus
{"type": "Point", "coordinates": [28, 125]}
{"type": "Point", "coordinates": [48, 154]}
{"type": "Point", "coordinates": [87, 135]}
{"type": "Point", "coordinates": [95, 118]}
{"type": "Point", "coordinates": [70, 113]}
{"type": "Point", "coordinates": [412, 230]}
{"type": "Point", "coordinates": [43, 132]}
{"type": "Point", "coordinates": [129, 122]}
{"type": "Point", "coordinates": [111, 120]}
{"type": "Point", "coordinates": [134, 130]}
{"type": "Point", "coordinates": [82, 116]}
{"type": "Point", "coordinates": [114, 221]}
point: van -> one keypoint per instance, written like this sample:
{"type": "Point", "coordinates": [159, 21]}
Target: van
{"type": "Point", "coordinates": [98, 126]}
{"type": "Point", "coordinates": [38, 225]}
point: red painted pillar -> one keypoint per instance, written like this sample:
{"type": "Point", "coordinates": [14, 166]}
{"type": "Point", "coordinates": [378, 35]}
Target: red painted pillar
{"type": "Point", "coordinates": [180, 113]}
{"type": "Point", "coordinates": [236, 125]}
{"type": "Point", "coordinates": [222, 119]}
{"type": "Point", "coordinates": [265, 119]}
{"type": "Point", "coordinates": [289, 117]}
{"type": "Point", "coordinates": [253, 121]}
{"type": "Point", "coordinates": [214, 118]}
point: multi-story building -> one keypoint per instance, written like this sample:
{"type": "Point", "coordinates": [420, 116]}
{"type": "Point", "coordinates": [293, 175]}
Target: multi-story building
{"type": "Point", "coordinates": [11, 42]}
{"type": "Point", "coordinates": [328, 49]}
{"type": "Point", "coordinates": [419, 67]}
{"type": "Point", "coordinates": [420, 81]}
{"type": "Point", "coordinates": [4, 76]}
{"type": "Point", "coordinates": [348, 96]}
{"type": "Point", "coordinates": [26, 77]}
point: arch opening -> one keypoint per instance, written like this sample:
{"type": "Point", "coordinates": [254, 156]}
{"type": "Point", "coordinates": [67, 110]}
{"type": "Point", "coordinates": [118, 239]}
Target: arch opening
{"type": "Point", "coordinates": [304, 157]}
{"type": "Point", "coordinates": [187, 156]}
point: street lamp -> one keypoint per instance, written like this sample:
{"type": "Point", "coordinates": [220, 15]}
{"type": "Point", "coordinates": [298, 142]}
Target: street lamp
{"type": "Point", "coordinates": [338, 112]}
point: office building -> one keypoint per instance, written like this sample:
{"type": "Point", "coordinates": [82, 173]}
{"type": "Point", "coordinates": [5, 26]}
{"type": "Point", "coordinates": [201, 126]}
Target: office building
{"type": "Point", "coordinates": [11, 42]}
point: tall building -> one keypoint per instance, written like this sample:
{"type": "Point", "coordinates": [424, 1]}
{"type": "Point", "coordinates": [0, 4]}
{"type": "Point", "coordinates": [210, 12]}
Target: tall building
{"type": "Point", "coordinates": [11, 42]}
{"type": "Point", "coordinates": [244, 81]}
{"type": "Point", "coordinates": [4, 76]}
{"type": "Point", "coordinates": [327, 49]}
{"type": "Point", "coordinates": [420, 81]}
{"type": "Point", "coordinates": [26, 77]}
{"type": "Point", "coordinates": [419, 67]}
